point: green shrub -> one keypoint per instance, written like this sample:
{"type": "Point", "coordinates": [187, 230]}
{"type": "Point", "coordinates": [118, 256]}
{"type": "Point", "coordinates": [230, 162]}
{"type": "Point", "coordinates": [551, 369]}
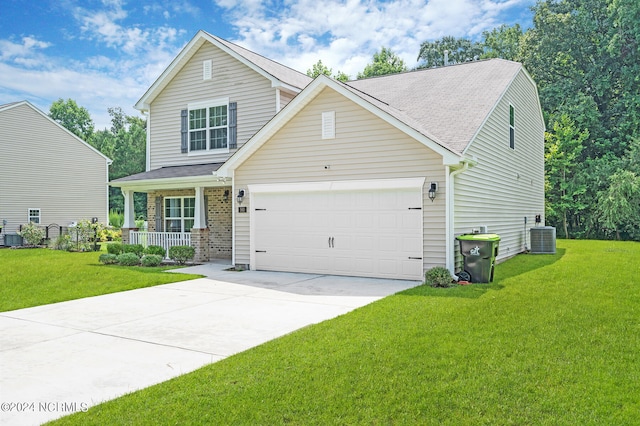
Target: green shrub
{"type": "Point", "coordinates": [108, 259]}
{"type": "Point", "coordinates": [114, 248]}
{"type": "Point", "coordinates": [158, 250]}
{"type": "Point", "coordinates": [439, 277]}
{"type": "Point", "coordinates": [136, 249]}
{"type": "Point", "coordinates": [32, 234]}
{"type": "Point", "coordinates": [128, 259]}
{"type": "Point", "coordinates": [182, 254]}
{"type": "Point", "coordinates": [151, 260]}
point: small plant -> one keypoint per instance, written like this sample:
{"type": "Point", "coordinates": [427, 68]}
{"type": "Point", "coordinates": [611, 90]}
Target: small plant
{"type": "Point", "coordinates": [151, 260]}
{"type": "Point", "coordinates": [439, 277]}
{"type": "Point", "coordinates": [136, 249]}
{"type": "Point", "coordinates": [128, 259]}
{"type": "Point", "coordinates": [116, 219]}
{"type": "Point", "coordinates": [158, 250]}
{"type": "Point", "coordinates": [61, 242]}
{"type": "Point", "coordinates": [32, 234]}
{"type": "Point", "coordinates": [108, 259]}
{"type": "Point", "coordinates": [182, 254]}
{"type": "Point", "coordinates": [114, 248]}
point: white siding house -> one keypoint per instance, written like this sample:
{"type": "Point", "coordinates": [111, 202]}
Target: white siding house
{"type": "Point", "coordinates": [47, 174]}
{"type": "Point", "coordinates": [373, 177]}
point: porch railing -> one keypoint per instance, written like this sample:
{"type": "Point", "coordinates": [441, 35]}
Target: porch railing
{"type": "Point", "coordinates": [162, 239]}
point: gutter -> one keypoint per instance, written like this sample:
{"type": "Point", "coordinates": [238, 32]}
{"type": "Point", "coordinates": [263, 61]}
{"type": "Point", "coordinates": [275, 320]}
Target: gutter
{"type": "Point", "coordinates": [450, 212]}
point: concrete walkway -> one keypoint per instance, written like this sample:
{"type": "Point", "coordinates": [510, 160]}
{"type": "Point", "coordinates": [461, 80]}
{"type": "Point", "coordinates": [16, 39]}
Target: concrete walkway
{"type": "Point", "coordinates": [65, 357]}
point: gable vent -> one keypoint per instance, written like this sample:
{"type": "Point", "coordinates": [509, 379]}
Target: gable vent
{"type": "Point", "coordinates": [543, 240]}
{"type": "Point", "coordinates": [206, 69]}
{"type": "Point", "coordinates": [329, 125]}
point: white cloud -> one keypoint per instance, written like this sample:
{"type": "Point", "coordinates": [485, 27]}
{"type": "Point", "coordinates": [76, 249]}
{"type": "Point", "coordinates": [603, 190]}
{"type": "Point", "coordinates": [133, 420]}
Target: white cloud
{"type": "Point", "coordinates": [345, 34]}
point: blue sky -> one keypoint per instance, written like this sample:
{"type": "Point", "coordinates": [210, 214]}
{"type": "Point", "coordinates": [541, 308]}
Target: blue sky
{"type": "Point", "coordinates": [107, 53]}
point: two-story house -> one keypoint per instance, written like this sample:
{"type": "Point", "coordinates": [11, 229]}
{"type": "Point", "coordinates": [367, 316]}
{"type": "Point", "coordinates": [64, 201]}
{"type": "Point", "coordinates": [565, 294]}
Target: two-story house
{"type": "Point", "coordinates": [253, 161]}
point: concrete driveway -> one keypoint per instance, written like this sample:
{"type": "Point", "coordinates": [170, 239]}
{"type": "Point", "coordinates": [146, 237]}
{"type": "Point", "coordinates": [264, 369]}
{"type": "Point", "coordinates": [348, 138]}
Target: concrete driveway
{"type": "Point", "coordinates": [65, 357]}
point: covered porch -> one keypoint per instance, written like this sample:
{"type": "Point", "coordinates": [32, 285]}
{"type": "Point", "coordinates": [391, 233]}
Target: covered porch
{"type": "Point", "coordinates": [186, 205]}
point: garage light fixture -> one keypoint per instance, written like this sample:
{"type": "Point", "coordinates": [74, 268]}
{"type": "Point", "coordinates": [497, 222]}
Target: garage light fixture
{"type": "Point", "coordinates": [240, 196]}
{"type": "Point", "coordinates": [432, 191]}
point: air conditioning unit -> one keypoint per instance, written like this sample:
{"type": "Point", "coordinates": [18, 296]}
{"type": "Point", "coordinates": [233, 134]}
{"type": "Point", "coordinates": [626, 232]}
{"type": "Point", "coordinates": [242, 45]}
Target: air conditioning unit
{"type": "Point", "coordinates": [543, 240]}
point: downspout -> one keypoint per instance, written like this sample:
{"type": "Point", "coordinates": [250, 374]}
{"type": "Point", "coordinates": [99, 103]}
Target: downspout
{"type": "Point", "coordinates": [450, 254]}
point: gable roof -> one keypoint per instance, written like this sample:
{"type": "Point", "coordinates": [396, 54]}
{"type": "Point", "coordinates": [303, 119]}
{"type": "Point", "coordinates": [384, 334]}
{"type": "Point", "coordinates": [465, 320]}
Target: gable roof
{"type": "Point", "coordinates": [279, 75]}
{"type": "Point", "coordinates": [12, 105]}
{"type": "Point", "coordinates": [449, 104]}
{"type": "Point", "coordinates": [443, 108]}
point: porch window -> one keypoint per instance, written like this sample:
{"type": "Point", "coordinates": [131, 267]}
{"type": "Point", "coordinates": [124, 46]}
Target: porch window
{"type": "Point", "coordinates": [179, 213]}
{"type": "Point", "coordinates": [209, 126]}
{"type": "Point", "coordinates": [34, 216]}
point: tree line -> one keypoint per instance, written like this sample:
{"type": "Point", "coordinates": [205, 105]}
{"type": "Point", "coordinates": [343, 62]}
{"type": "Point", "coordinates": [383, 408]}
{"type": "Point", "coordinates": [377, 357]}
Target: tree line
{"type": "Point", "coordinates": [584, 56]}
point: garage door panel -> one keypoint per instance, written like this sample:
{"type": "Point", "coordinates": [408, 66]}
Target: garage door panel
{"type": "Point", "coordinates": [364, 233]}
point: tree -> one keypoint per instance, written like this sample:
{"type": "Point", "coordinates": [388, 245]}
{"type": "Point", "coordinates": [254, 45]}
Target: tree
{"type": "Point", "coordinates": [502, 42]}
{"type": "Point", "coordinates": [125, 144]}
{"type": "Point", "coordinates": [458, 50]}
{"type": "Point", "coordinates": [384, 62]}
{"type": "Point", "coordinates": [619, 206]}
{"type": "Point", "coordinates": [320, 69]}
{"type": "Point", "coordinates": [563, 188]}
{"type": "Point", "coordinates": [73, 117]}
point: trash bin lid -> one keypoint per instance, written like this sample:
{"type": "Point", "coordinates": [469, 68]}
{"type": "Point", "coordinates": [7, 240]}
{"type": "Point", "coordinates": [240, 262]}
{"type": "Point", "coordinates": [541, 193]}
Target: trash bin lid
{"type": "Point", "coordinates": [479, 237]}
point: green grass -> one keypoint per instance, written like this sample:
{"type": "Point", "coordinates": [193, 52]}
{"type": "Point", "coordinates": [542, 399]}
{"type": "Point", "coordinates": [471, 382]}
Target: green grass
{"type": "Point", "coordinates": [555, 340]}
{"type": "Point", "coordinates": [32, 277]}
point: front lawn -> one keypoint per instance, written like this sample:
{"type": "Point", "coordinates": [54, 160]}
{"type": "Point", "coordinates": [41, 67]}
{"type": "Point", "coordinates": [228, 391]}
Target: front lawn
{"type": "Point", "coordinates": [554, 340]}
{"type": "Point", "coordinates": [32, 277]}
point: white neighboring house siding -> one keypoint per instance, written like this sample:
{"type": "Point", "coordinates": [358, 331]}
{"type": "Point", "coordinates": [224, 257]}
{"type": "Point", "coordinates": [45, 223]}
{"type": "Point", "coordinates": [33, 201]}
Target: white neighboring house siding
{"type": "Point", "coordinates": [43, 166]}
{"type": "Point", "coordinates": [507, 184]}
{"type": "Point", "coordinates": [365, 147]}
{"type": "Point", "coordinates": [230, 78]}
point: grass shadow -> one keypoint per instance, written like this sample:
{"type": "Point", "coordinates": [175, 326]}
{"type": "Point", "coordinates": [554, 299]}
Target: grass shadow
{"type": "Point", "coordinates": [517, 265]}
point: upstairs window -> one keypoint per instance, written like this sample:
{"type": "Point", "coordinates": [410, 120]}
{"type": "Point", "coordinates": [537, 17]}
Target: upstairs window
{"type": "Point", "coordinates": [209, 126]}
{"type": "Point", "coordinates": [512, 127]}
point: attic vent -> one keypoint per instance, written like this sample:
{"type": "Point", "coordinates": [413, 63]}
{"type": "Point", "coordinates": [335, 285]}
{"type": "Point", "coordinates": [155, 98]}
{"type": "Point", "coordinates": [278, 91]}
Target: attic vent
{"type": "Point", "coordinates": [329, 125]}
{"type": "Point", "coordinates": [543, 240]}
{"type": "Point", "coordinates": [206, 69]}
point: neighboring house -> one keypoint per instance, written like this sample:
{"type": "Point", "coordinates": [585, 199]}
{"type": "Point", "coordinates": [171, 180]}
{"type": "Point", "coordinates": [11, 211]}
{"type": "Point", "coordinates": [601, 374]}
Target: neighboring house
{"type": "Point", "coordinates": [372, 177]}
{"type": "Point", "coordinates": [47, 174]}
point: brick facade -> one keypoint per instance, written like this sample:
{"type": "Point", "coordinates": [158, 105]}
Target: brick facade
{"type": "Point", "coordinates": [214, 242]}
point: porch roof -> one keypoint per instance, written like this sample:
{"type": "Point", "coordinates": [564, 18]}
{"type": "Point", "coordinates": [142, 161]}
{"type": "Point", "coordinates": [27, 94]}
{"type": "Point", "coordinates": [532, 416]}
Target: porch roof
{"type": "Point", "coordinates": [171, 177]}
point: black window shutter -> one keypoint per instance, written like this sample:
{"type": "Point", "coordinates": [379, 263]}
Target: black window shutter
{"type": "Point", "coordinates": [184, 128]}
{"type": "Point", "coordinates": [206, 211]}
{"type": "Point", "coordinates": [233, 125]}
{"type": "Point", "coordinates": [158, 213]}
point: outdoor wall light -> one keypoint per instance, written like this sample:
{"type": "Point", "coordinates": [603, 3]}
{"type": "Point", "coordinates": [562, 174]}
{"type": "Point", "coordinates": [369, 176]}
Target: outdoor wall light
{"type": "Point", "coordinates": [240, 196]}
{"type": "Point", "coordinates": [433, 188]}
{"type": "Point", "coordinates": [225, 197]}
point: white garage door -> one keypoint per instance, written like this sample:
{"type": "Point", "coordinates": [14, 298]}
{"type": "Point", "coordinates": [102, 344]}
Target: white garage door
{"type": "Point", "coordinates": [363, 228]}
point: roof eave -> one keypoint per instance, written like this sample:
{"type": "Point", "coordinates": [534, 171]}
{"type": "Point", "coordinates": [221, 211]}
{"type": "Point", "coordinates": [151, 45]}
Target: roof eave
{"type": "Point", "coordinates": [145, 185]}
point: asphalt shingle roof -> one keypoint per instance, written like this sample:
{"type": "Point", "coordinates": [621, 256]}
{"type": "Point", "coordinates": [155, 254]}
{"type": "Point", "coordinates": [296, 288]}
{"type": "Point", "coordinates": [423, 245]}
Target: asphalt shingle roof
{"type": "Point", "coordinates": [173, 172]}
{"type": "Point", "coordinates": [448, 104]}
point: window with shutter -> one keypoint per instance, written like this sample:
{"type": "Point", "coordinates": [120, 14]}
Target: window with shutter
{"type": "Point", "coordinates": [209, 126]}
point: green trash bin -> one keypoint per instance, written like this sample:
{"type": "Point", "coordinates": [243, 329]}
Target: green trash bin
{"type": "Point", "coordinates": [479, 252]}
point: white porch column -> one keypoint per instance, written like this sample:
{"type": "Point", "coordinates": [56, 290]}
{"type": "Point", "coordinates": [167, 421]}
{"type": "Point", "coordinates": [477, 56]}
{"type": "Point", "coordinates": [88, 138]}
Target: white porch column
{"type": "Point", "coordinates": [199, 221]}
{"type": "Point", "coordinates": [129, 212]}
